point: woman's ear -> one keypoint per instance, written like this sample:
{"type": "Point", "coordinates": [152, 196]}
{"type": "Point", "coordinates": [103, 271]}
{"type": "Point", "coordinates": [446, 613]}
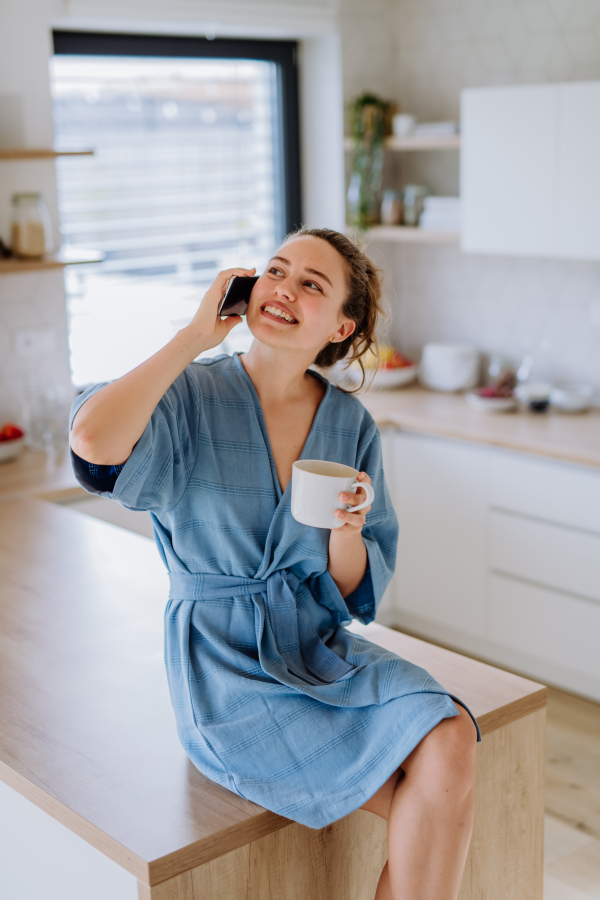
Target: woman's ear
{"type": "Point", "coordinates": [344, 331]}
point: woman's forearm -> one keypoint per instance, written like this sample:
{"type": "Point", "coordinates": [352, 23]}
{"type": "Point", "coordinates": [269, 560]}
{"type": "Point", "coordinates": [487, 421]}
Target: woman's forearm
{"type": "Point", "coordinates": [111, 422]}
{"type": "Point", "coordinates": [347, 561]}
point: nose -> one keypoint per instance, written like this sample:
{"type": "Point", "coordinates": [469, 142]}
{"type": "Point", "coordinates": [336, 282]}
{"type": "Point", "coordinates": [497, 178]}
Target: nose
{"type": "Point", "coordinates": [285, 288]}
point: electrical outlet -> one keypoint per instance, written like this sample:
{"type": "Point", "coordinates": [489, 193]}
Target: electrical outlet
{"type": "Point", "coordinates": [34, 341]}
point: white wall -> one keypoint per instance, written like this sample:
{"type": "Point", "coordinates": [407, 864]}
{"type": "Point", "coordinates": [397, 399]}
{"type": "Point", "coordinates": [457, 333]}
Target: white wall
{"type": "Point", "coordinates": [37, 300]}
{"type": "Point", "coordinates": [501, 304]}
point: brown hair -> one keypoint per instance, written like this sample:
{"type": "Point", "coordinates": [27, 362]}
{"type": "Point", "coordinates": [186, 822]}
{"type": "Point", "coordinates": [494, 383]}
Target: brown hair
{"type": "Point", "coordinates": [362, 304]}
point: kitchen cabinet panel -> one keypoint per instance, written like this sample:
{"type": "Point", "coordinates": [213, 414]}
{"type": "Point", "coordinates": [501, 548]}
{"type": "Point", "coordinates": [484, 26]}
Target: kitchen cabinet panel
{"type": "Point", "coordinates": [508, 169]}
{"type": "Point", "coordinates": [560, 558]}
{"type": "Point", "coordinates": [545, 624]}
{"type": "Point", "coordinates": [578, 183]}
{"type": "Point", "coordinates": [568, 495]}
{"type": "Point", "coordinates": [440, 497]}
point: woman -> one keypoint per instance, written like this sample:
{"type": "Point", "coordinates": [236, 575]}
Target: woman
{"type": "Point", "coordinates": [273, 697]}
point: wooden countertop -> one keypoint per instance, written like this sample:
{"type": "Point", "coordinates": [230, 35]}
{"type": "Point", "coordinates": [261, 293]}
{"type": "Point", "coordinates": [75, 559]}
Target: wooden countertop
{"type": "Point", "coordinates": [34, 473]}
{"type": "Point", "coordinates": [87, 731]}
{"type": "Point", "coordinates": [569, 438]}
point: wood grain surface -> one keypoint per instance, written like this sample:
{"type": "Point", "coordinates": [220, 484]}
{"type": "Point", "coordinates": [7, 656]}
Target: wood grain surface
{"type": "Point", "coordinates": [87, 730]}
{"type": "Point", "coordinates": [570, 438]}
{"type": "Point", "coordinates": [34, 472]}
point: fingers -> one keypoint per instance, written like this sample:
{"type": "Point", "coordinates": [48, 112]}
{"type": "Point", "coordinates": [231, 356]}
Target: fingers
{"type": "Point", "coordinates": [224, 276]}
{"type": "Point", "coordinates": [352, 520]}
{"type": "Point", "coordinates": [359, 497]}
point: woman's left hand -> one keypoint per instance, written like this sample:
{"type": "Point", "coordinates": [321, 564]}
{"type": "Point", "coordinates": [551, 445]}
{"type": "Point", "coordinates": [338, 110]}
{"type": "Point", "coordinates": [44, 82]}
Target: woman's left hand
{"type": "Point", "coordinates": [353, 521]}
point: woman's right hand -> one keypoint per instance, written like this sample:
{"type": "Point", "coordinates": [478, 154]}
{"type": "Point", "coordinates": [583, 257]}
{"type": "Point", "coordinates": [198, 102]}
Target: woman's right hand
{"type": "Point", "coordinates": [207, 329]}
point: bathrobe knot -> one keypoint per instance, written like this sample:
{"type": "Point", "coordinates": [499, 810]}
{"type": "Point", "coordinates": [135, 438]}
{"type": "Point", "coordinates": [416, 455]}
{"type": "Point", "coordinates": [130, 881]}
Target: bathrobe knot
{"type": "Point", "coordinates": [289, 646]}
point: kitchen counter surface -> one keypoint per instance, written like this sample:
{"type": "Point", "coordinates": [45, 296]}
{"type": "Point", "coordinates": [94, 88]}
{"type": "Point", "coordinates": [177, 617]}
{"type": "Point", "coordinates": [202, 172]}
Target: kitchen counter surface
{"type": "Point", "coordinates": [560, 436]}
{"type": "Point", "coordinates": [87, 730]}
{"type": "Point", "coordinates": [35, 473]}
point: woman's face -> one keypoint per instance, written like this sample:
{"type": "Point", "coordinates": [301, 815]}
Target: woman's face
{"type": "Point", "coordinates": [296, 303]}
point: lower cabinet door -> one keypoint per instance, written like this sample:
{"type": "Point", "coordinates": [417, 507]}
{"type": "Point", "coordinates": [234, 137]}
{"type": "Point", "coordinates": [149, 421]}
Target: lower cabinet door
{"type": "Point", "coordinates": [440, 496]}
{"type": "Point", "coordinates": [546, 624]}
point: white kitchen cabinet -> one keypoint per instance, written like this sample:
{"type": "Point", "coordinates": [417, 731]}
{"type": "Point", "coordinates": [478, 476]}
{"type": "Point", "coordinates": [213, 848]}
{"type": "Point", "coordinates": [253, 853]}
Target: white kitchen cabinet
{"type": "Point", "coordinates": [508, 170]}
{"type": "Point", "coordinates": [499, 556]}
{"type": "Point", "coordinates": [530, 181]}
{"type": "Point", "coordinates": [441, 501]}
{"type": "Point", "coordinates": [578, 182]}
{"type": "Point", "coordinates": [41, 859]}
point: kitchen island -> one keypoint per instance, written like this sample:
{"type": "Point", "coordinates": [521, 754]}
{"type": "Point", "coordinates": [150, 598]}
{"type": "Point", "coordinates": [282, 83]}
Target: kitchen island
{"type": "Point", "coordinates": [88, 735]}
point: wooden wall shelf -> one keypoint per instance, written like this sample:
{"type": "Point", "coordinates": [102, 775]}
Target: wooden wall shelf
{"type": "Point", "coordinates": [404, 144]}
{"type": "Point", "coordinates": [41, 153]}
{"type": "Point", "coordinates": [406, 234]}
{"type": "Point", "coordinates": [66, 256]}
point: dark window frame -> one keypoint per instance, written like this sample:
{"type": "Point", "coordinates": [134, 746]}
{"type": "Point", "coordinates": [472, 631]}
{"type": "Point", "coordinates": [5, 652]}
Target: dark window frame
{"type": "Point", "coordinates": [283, 53]}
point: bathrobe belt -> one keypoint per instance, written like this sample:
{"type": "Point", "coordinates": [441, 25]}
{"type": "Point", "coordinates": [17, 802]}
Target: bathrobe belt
{"type": "Point", "coordinates": [289, 646]}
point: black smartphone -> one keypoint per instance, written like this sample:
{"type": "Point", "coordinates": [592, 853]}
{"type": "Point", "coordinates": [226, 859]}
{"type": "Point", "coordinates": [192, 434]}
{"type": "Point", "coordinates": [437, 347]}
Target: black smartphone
{"type": "Point", "coordinates": [237, 295]}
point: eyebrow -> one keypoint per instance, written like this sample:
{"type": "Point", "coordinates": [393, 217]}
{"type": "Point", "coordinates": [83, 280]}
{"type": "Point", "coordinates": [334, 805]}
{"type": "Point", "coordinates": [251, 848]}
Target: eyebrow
{"type": "Point", "coordinates": [312, 271]}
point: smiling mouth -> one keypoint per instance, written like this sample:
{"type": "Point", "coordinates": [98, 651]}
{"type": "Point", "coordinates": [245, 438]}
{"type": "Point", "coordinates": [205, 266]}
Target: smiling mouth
{"type": "Point", "coordinates": [280, 314]}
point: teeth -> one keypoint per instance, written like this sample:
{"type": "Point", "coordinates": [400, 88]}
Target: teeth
{"type": "Point", "coordinates": [275, 311]}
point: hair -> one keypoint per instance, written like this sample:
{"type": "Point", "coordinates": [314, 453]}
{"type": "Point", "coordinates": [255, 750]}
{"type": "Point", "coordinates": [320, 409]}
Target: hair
{"type": "Point", "coordinates": [362, 304]}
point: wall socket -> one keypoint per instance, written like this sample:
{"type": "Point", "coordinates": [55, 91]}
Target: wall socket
{"type": "Point", "coordinates": [34, 341]}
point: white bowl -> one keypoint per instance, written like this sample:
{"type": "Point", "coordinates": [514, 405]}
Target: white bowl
{"type": "Point", "coordinates": [392, 378]}
{"type": "Point", "coordinates": [382, 378]}
{"type": "Point", "coordinates": [449, 367]}
{"type": "Point", "coordinates": [491, 404]}
{"type": "Point", "coordinates": [11, 449]}
{"type": "Point", "coordinates": [572, 398]}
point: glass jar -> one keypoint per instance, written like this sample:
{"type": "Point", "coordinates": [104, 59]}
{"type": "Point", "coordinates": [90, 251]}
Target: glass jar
{"type": "Point", "coordinates": [414, 197]}
{"type": "Point", "coordinates": [31, 226]}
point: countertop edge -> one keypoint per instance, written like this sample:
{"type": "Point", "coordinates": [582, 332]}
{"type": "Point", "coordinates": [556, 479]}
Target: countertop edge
{"type": "Point", "coordinates": [80, 826]}
{"type": "Point", "coordinates": [433, 428]}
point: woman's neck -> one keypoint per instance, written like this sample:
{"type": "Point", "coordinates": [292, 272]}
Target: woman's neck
{"type": "Point", "coordinates": [277, 375]}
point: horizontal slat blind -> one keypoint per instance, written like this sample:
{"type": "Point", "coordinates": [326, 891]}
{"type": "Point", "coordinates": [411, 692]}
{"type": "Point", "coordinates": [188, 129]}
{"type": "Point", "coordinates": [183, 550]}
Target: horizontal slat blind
{"type": "Point", "coordinates": [184, 182]}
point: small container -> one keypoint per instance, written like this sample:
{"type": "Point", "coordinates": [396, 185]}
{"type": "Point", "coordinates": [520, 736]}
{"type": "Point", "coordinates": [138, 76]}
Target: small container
{"type": "Point", "coordinates": [31, 226]}
{"type": "Point", "coordinates": [414, 195]}
{"type": "Point", "coordinates": [403, 124]}
{"type": "Point", "coordinates": [392, 208]}
{"type": "Point", "coordinates": [572, 398]}
{"type": "Point", "coordinates": [449, 367]}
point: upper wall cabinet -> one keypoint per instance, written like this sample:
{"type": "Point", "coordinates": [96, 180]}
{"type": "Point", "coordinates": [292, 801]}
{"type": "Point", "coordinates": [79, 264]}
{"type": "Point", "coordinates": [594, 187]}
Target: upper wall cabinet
{"type": "Point", "coordinates": [530, 177]}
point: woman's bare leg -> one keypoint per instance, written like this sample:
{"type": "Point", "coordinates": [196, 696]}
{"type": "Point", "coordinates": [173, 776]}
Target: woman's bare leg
{"type": "Point", "coordinates": [430, 813]}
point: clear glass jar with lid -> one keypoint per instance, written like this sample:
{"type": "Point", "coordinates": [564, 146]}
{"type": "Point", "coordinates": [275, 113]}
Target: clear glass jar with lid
{"type": "Point", "coordinates": [31, 226]}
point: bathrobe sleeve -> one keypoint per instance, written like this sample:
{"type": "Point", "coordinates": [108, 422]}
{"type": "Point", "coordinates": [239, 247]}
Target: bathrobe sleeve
{"type": "Point", "coordinates": [156, 473]}
{"type": "Point", "coordinates": [380, 532]}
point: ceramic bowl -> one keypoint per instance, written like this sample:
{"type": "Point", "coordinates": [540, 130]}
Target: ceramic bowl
{"type": "Point", "coordinates": [491, 404]}
{"type": "Point", "coordinates": [573, 398]}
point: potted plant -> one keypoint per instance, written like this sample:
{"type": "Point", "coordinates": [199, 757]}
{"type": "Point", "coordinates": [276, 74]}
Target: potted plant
{"type": "Point", "coordinates": [370, 119]}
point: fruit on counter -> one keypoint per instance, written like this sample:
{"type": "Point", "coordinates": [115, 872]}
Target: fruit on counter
{"type": "Point", "coordinates": [11, 432]}
{"type": "Point", "coordinates": [503, 387]}
{"type": "Point", "coordinates": [389, 358]}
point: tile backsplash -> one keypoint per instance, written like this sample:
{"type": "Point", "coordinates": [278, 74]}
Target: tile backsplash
{"type": "Point", "coordinates": [33, 339]}
{"type": "Point", "coordinates": [549, 307]}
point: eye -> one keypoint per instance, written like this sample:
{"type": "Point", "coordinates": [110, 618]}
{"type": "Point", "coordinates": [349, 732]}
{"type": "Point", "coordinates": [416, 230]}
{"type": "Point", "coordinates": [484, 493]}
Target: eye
{"type": "Point", "coordinates": [274, 269]}
{"type": "Point", "coordinates": [314, 285]}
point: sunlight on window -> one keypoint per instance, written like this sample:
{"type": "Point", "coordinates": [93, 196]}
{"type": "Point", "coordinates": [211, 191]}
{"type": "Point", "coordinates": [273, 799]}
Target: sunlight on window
{"type": "Point", "coordinates": [184, 182]}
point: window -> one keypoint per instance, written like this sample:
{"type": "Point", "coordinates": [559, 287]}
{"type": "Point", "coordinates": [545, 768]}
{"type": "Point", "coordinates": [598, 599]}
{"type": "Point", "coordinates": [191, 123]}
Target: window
{"type": "Point", "coordinates": [195, 170]}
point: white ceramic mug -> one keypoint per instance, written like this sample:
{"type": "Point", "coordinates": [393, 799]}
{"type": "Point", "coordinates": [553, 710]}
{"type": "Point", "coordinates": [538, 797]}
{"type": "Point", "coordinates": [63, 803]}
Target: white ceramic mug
{"type": "Point", "coordinates": [316, 486]}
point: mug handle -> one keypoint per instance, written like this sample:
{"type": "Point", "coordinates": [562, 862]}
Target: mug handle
{"type": "Point", "coordinates": [370, 494]}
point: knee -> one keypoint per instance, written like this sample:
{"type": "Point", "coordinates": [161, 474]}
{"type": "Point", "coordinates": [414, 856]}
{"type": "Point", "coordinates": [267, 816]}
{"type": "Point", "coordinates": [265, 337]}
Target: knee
{"type": "Point", "coordinates": [460, 744]}
{"type": "Point", "coordinates": [449, 753]}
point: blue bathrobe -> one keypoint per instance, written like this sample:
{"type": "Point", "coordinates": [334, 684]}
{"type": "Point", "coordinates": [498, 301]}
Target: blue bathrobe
{"type": "Point", "coordinates": [273, 697]}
